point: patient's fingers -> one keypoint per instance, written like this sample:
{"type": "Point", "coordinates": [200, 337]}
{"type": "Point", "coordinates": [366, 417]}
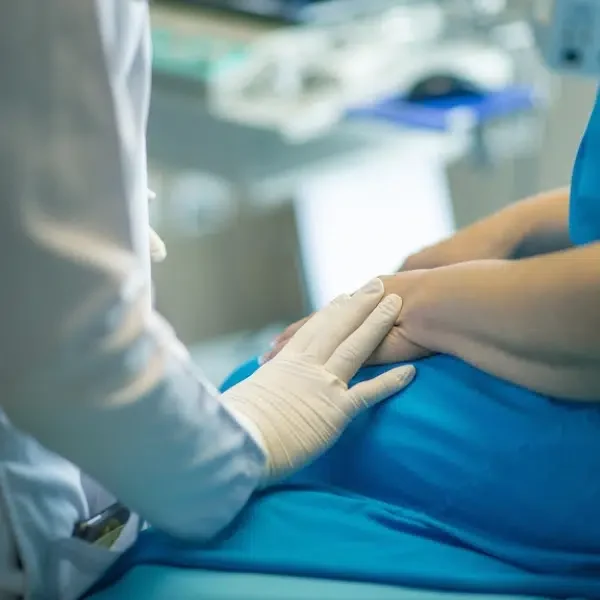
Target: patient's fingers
{"type": "Point", "coordinates": [396, 348]}
{"type": "Point", "coordinates": [350, 356]}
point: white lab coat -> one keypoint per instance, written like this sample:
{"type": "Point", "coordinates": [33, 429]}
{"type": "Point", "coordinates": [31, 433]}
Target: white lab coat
{"type": "Point", "coordinates": [87, 368]}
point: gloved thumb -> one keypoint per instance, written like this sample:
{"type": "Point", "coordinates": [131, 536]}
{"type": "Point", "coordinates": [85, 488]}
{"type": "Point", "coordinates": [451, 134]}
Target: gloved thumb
{"type": "Point", "coordinates": [371, 392]}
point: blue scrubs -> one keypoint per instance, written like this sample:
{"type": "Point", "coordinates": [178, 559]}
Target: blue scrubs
{"type": "Point", "coordinates": [585, 185]}
{"type": "Point", "coordinates": [463, 482]}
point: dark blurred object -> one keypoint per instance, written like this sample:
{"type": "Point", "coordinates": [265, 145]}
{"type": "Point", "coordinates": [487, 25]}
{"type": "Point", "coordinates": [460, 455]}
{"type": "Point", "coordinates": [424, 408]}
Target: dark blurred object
{"type": "Point", "coordinates": [294, 11]}
{"type": "Point", "coordinates": [286, 10]}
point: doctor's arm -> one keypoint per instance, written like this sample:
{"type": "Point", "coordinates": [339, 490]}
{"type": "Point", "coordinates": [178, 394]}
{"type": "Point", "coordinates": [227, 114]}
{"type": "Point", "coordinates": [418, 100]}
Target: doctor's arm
{"type": "Point", "coordinates": [535, 322]}
{"type": "Point", "coordinates": [88, 368]}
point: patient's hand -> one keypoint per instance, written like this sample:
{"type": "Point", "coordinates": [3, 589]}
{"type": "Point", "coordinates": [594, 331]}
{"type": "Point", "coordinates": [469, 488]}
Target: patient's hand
{"type": "Point", "coordinates": [396, 347]}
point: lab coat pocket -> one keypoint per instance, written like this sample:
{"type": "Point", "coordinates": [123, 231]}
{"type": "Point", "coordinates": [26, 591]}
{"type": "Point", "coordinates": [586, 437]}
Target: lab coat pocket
{"type": "Point", "coordinates": [75, 565]}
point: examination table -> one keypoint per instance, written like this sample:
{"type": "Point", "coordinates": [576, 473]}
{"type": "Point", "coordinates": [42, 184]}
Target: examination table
{"type": "Point", "coordinates": [461, 486]}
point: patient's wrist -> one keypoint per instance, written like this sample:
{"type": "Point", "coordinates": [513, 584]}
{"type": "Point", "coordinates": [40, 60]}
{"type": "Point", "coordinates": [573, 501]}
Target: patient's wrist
{"type": "Point", "coordinates": [443, 308]}
{"type": "Point", "coordinates": [418, 309]}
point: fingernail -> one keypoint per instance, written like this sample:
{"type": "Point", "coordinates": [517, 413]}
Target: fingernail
{"type": "Point", "coordinates": [393, 300]}
{"type": "Point", "coordinates": [375, 286]}
{"type": "Point", "coordinates": [266, 357]}
{"type": "Point", "coordinates": [396, 302]}
{"type": "Point", "coordinates": [406, 374]}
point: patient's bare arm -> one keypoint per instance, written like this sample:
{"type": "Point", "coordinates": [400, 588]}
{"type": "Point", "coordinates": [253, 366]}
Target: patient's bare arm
{"type": "Point", "coordinates": [535, 322]}
{"type": "Point", "coordinates": [533, 226]}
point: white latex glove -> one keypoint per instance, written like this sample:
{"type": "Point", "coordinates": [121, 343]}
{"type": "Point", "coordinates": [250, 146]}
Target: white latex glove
{"type": "Point", "coordinates": [298, 404]}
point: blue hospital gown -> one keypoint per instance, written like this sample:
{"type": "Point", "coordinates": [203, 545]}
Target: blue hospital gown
{"type": "Point", "coordinates": [462, 482]}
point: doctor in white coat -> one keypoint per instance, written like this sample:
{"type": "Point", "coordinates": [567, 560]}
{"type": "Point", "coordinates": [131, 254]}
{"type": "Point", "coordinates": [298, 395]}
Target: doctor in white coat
{"type": "Point", "coordinates": [91, 377]}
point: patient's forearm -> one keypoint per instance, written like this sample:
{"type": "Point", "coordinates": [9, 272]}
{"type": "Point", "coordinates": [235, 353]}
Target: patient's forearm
{"type": "Point", "coordinates": [534, 322]}
{"type": "Point", "coordinates": [533, 226]}
{"type": "Point", "coordinates": [545, 222]}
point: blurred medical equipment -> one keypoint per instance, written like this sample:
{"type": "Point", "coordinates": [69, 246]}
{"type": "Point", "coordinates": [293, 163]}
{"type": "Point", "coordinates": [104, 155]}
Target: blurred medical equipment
{"type": "Point", "coordinates": [302, 81]}
{"type": "Point", "coordinates": [338, 207]}
{"type": "Point", "coordinates": [294, 11]}
{"type": "Point", "coordinates": [568, 34]}
{"type": "Point", "coordinates": [330, 173]}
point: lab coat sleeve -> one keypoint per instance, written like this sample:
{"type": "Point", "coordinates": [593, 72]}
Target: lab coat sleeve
{"type": "Point", "coordinates": [87, 367]}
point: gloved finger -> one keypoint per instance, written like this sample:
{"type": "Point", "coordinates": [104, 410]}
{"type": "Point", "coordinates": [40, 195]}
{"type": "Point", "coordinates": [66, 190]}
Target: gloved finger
{"type": "Point", "coordinates": [323, 334]}
{"type": "Point", "coordinates": [273, 352]}
{"type": "Point", "coordinates": [284, 337]}
{"type": "Point", "coordinates": [306, 334]}
{"type": "Point", "coordinates": [350, 356]}
{"type": "Point", "coordinates": [290, 331]}
{"type": "Point", "coordinates": [368, 393]}
{"type": "Point", "coordinates": [281, 340]}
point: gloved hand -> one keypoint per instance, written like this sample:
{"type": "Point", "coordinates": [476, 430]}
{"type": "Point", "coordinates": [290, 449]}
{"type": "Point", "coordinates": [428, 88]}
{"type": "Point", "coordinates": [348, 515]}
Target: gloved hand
{"type": "Point", "coordinates": [298, 404]}
{"type": "Point", "coordinates": [396, 347]}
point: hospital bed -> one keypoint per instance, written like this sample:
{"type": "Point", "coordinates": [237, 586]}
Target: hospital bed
{"type": "Point", "coordinates": [164, 583]}
{"type": "Point", "coordinates": [150, 581]}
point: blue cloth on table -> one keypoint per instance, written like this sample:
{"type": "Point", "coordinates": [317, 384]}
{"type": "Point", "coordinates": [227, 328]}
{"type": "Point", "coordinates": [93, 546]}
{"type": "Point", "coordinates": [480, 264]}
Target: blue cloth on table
{"type": "Point", "coordinates": [462, 482]}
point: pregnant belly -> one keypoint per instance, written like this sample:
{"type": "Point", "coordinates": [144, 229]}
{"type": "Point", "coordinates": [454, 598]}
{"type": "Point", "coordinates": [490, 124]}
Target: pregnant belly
{"type": "Point", "coordinates": [507, 469]}
{"type": "Point", "coordinates": [460, 483]}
